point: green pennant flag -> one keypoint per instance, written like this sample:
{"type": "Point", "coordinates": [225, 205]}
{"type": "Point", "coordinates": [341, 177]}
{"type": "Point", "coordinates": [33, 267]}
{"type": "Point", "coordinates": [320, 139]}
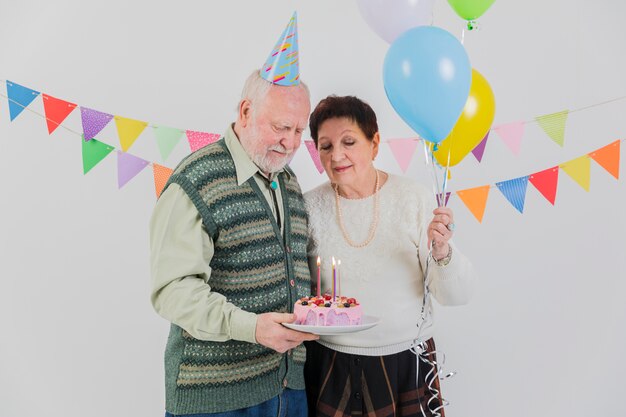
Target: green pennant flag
{"type": "Point", "coordinates": [554, 125]}
{"type": "Point", "coordinates": [94, 151]}
{"type": "Point", "coordinates": [167, 138]}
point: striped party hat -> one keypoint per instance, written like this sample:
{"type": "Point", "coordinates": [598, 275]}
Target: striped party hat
{"type": "Point", "coordinates": [282, 65]}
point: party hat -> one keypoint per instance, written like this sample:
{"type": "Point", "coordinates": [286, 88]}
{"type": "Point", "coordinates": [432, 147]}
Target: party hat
{"type": "Point", "coordinates": [281, 66]}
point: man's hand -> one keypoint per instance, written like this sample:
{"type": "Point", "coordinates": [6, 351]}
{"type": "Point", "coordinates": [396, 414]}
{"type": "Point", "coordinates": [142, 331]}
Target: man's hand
{"type": "Point", "coordinates": [270, 333]}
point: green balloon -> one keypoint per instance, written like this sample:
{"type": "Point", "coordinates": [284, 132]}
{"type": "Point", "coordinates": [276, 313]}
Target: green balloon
{"type": "Point", "coordinates": [470, 9]}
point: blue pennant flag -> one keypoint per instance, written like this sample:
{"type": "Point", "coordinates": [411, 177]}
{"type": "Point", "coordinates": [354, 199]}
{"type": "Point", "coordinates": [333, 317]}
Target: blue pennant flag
{"type": "Point", "coordinates": [515, 191]}
{"type": "Point", "coordinates": [19, 98]}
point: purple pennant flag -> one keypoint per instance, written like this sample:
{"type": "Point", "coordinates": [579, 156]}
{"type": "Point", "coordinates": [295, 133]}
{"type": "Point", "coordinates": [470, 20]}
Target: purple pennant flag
{"type": "Point", "coordinates": [93, 122]}
{"type": "Point", "coordinates": [439, 199]}
{"type": "Point", "coordinates": [479, 150]}
{"type": "Point", "coordinates": [127, 167]}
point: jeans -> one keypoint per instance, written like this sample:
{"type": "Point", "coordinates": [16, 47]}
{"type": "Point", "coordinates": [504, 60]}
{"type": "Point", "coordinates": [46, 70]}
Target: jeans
{"type": "Point", "coordinates": [289, 403]}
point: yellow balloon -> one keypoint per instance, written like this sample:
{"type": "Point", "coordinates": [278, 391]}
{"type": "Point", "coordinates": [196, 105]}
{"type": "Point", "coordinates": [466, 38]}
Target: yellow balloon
{"type": "Point", "coordinates": [473, 124]}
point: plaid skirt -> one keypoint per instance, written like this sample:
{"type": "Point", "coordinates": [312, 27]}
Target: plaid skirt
{"type": "Point", "coordinates": [340, 384]}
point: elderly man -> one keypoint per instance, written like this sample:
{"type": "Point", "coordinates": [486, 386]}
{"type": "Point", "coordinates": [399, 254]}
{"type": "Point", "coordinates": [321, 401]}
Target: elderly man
{"type": "Point", "coordinates": [228, 249]}
{"type": "Point", "coordinates": [228, 242]}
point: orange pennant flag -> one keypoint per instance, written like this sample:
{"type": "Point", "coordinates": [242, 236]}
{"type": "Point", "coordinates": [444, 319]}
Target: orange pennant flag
{"type": "Point", "coordinates": [476, 200]}
{"type": "Point", "coordinates": [161, 175]}
{"type": "Point", "coordinates": [608, 157]}
{"type": "Point", "coordinates": [579, 170]}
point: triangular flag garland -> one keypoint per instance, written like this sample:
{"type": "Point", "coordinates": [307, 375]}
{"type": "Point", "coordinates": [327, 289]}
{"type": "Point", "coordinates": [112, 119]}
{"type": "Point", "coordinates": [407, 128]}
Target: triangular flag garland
{"type": "Point", "coordinates": [545, 182]}
{"type": "Point", "coordinates": [93, 122]}
{"type": "Point", "coordinates": [511, 134]}
{"type": "Point", "coordinates": [167, 138]}
{"type": "Point", "coordinates": [128, 166]}
{"type": "Point", "coordinates": [403, 150]}
{"type": "Point", "coordinates": [199, 140]}
{"type": "Point", "coordinates": [315, 156]}
{"type": "Point", "coordinates": [515, 191]}
{"type": "Point", "coordinates": [56, 111]}
{"type": "Point", "coordinates": [128, 130]}
{"type": "Point", "coordinates": [161, 175]}
{"type": "Point", "coordinates": [579, 170]}
{"type": "Point", "coordinates": [94, 151]}
{"type": "Point", "coordinates": [475, 199]}
{"type": "Point", "coordinates": [554, 125]}
{"type": "Point", "coordinates": [608, 157]}
{"type": "Point", "coordinates": [479, 150]}
{"type": "Point", "coordinates": [19, 98]}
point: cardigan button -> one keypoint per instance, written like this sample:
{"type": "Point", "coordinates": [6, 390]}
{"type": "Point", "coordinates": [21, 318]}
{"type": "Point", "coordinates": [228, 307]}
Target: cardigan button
{"type": "Point", "coordinates": [293, 284]}
{"type": "Point", "coordinates": [288, 249]}
{"type": "Point", "coordinates": [285, 382]}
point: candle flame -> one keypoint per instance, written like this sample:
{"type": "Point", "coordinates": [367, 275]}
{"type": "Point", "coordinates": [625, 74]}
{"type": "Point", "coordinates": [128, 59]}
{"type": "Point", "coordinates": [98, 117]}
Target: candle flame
{"type": "Point", "coordinates": [333, 261]}
{"type": "Point", "coordinates": [318, 261]}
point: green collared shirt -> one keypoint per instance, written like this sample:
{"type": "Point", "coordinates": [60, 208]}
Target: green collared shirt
{"type": "Point", "coordinates": [181, 251]}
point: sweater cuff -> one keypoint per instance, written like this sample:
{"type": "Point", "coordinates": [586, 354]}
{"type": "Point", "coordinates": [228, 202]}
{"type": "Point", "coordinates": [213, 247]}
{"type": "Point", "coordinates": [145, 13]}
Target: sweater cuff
{"type": "Point", "coordinates": [243, 326]}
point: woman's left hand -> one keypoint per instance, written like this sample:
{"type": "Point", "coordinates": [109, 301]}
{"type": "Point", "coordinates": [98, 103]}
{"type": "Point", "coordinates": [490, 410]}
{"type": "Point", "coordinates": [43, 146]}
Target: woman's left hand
{"type": "Point", "coordinates": [440, 231]}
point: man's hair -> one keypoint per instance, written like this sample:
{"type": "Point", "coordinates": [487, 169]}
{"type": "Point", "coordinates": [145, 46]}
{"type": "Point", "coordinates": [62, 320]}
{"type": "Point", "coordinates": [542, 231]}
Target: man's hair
{"type": "Point", "coordinates": [256, 88]}
{"type": "Point", "coordinates": [350, 107]}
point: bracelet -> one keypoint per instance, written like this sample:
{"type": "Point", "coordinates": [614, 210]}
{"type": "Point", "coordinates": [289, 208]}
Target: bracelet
{"type": "Point", "coordinates": [446, 259]}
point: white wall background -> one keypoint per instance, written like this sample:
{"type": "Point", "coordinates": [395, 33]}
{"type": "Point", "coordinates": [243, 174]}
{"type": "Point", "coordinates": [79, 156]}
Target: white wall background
{"type": "Point", "coordinates": [78, 337]}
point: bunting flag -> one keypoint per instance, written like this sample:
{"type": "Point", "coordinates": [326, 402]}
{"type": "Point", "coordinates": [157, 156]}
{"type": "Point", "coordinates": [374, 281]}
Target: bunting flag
{"type": "Point", "coordinates": [161, 175]}
{"type": "Point", "coordinates": [403, 150]}
{"type": "Point", "coordinates": [515, 191]}
{"type": "Point", "coordinates": [545, 182]}
{"type": "Point", "coordinates": [439, 199]}
{"type": "Point", "coordinates": [167, 138]}
{"type": "Point", "coordinates": [19, 98]}
{"type": "Point", "coordinates": [56, 111]}
{"type": "Point", "coordinates": [554, 125]}
{"type": "Point", "coordinates": [127, 167]}
{"type": "Point", "coordinates": [608, 157]}
{"type": "Point", "coordinates": [315, 156]}
{"type": "Point", "coordinates": [199, 140]}
{"type": "Point", "coordinates": [128, 130]}
{"type": "Point", "coordinates": [479, 150]}
{"type": "Point", "coordinates": [94, 151]}
{"type": "Point", "coordinates": [93, 122]}
{"type": "Point", "coordinates": [579, 170]}
{"type": "Point", "coordinates": [475, 199]}
{"type": "Point", "coordinates": [511, 134]}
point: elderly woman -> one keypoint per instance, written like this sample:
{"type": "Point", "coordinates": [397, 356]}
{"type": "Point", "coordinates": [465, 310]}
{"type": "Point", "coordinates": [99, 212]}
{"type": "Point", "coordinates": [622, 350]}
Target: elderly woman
{"type": "Point", "coordinates": [382, 227]}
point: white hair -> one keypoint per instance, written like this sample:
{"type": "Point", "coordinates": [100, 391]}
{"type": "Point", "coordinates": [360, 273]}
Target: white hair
{"type": "Point", "coordinates": [256, 88]}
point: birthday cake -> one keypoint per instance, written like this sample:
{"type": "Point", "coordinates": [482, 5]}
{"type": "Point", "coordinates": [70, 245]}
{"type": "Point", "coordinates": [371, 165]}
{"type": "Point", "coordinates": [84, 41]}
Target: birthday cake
{"type": "Point", "coordinates": [323, 311]}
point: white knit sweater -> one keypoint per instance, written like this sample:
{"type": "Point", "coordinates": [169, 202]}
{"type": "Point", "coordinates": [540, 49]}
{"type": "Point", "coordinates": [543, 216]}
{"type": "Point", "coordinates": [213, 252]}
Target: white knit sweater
{"type": "Point", "coordinates": [386, 276]}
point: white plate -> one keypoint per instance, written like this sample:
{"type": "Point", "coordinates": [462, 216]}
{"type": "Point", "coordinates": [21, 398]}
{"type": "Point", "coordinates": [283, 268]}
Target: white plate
{"type": "Point", "coordinates": [367, 322]}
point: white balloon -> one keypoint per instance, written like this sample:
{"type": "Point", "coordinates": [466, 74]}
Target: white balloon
{"type": "Point", "coordinates": [390, 18]}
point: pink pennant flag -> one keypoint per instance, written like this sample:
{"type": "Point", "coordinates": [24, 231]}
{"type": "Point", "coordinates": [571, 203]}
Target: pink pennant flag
{"type": "Point", "coordinates": [479, 150]}
{"type": "Point", "coordinates": [127, 167]}
{"type": "Point", "coordinates": [403, 150]}
{"type": "Point", "coordinates": [315, 156]}
{"type": "Point", "coordinates": [93, 122]}
{"type": "Point", "coordinates": [199, 140]}
{"type": "Point", "coordinates": [511, 134]}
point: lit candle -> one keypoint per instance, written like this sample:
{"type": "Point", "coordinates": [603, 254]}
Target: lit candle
{"type": "Point", "coordinates": [334, 280]}
{"type": "Point", "coordinates": [338, 279]}
{"type": "Point", "coordinates": [319, 281]}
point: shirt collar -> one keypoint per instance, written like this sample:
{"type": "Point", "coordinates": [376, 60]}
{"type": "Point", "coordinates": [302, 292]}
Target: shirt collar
{"type": "Point", "coordinates": [244, 167]}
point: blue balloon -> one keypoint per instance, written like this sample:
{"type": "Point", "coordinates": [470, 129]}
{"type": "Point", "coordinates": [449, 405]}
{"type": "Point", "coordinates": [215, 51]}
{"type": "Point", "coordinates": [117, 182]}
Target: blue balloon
{"type": "Point", "coordinates": [427, 77]}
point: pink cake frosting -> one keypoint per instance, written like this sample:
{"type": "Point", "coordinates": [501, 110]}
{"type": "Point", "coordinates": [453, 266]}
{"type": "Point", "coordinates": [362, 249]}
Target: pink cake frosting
{"type": "Point", "coordinates": [322, 311]}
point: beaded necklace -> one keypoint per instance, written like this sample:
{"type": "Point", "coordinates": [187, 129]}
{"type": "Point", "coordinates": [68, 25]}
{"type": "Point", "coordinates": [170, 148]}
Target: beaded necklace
{"type": "Point", "coordinates": [372, 231]}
